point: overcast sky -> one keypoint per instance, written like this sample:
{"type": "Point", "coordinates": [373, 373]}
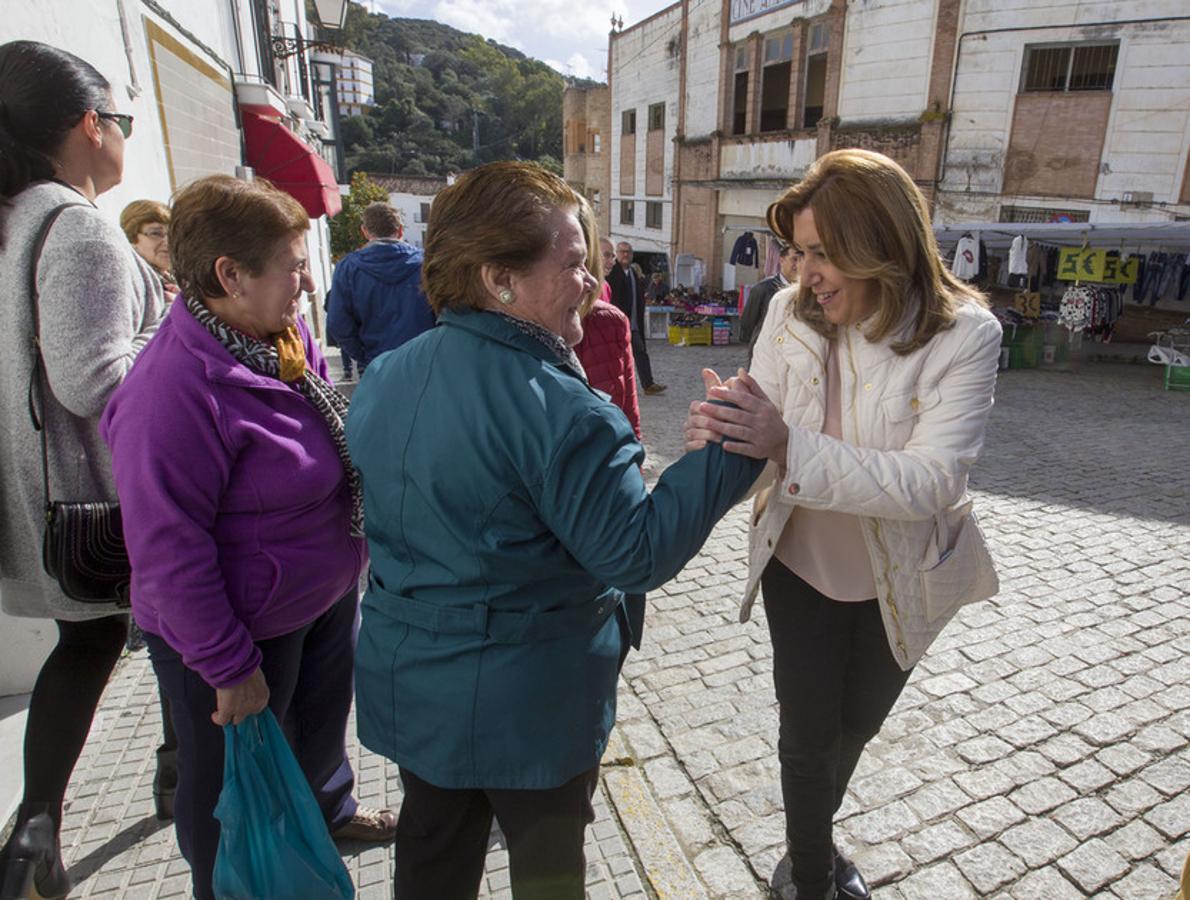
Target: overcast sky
{"type": "Point", "coordinates": [570, 35]}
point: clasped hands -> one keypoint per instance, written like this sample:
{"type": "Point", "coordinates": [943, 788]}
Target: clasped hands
{"type": "Point", "coordinates": [751, 426]}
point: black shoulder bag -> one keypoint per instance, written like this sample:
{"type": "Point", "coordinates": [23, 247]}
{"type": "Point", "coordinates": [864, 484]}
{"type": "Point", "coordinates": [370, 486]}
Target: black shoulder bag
{"type": "Point", "coordinates": [83, 547]}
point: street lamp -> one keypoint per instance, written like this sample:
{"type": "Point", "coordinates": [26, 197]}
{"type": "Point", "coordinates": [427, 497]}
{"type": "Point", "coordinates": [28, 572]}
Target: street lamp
{"type": "Point", "coordinates": [332, 14]}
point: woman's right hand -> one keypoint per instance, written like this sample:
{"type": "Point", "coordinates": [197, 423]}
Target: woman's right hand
{"type": "Point", "coordinates": [234, 704]}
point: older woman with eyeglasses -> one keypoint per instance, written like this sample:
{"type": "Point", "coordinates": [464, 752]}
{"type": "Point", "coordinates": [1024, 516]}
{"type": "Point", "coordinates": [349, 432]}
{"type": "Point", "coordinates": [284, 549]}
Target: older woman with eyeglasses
{"type": "Point", "coordinates": [60, 146]}
{"type": "Point", "coordinates": [146, 224]}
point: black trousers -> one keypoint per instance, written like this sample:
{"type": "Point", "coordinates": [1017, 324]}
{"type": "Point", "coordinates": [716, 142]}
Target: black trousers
{"type": "Point", "coordinates": [836, 681]}
{"type": "Point", "coordinates": [310, 677]}
{"type": "Point", "coordinates": [640, 358]}
{"type": "Point", "coordinates": [442, 839]}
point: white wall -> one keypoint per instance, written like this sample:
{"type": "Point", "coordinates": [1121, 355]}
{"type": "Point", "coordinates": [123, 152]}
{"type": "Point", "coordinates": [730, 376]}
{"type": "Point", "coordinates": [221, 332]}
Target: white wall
{"type": "Point", "coordinates": [767, 159]}
{"type": "Point", "coordinates": [887, 52]}
{"type": "Point", "coordinates": [1148, 131]}
{"type": "Point", "coordinates": [410, 209]}
{"type": "Point", "coordinates": [645, 65]}
{"type": "Point", "coordinates": [703, 24]}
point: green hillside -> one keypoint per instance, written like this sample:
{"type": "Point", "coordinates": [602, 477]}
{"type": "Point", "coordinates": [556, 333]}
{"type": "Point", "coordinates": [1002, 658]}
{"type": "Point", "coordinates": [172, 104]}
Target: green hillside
{"type": "Point", "coordinates": [440, 92]}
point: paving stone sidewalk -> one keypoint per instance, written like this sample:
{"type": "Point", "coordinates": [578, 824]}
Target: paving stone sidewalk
{"type": "Point", "coordinates": [1041, 750]}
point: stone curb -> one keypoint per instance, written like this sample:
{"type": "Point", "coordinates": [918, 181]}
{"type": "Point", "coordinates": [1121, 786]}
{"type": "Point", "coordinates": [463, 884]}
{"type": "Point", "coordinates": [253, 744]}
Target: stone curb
{"type": "Point", "coordinates": [663, 863]}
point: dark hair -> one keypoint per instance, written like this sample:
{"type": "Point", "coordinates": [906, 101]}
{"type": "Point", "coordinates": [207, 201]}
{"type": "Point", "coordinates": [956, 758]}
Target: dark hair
{"type": "Point", "coordinates": [496, 215]}
{"type": "Point", "coordinates": [44, 92]}
{"type": "Point", "coordinates": [223, 216]}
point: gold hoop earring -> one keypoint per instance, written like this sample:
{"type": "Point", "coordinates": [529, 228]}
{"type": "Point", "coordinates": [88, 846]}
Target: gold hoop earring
{"type": "Point", "coordinates": [506, 297]}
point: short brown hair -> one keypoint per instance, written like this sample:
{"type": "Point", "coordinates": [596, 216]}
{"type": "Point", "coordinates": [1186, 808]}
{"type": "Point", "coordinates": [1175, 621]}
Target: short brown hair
{"type": "Point", "coordinates": [139, 213]}
{"type": "Point", "coordinates": [875, 226]}
{"type": "Point", "coordinates": [224, 216]}
{"type": "Point", "coordinates": [495, 215]}
{"type": "Point", "coordinates": [381, 219]}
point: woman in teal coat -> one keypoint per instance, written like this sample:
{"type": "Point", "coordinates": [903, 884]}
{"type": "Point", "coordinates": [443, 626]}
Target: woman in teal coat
{"type": "Point", "coordinates": [507, 517]}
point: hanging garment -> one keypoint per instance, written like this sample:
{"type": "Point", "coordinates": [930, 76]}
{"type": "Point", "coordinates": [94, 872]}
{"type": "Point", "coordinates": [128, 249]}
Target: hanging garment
{"type": "Point", "coordinates": [966, 258]}
{"type": "Point", "coordinates": [1018, 260]}
{"type": "Point", "coordinates": [772, 257]}
{"type": "Point", "coordinates": [745, 252]}
{"type": "Point", "coordinates": [1075, 307]}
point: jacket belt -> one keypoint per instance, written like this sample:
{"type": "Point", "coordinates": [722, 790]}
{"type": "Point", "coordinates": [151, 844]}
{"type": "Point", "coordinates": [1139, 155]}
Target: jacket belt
{"type": "Point", "coordinates": [499, 625]}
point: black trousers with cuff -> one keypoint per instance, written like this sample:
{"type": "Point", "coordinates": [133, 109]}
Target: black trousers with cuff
{"type": "Point", "coordinates": [836, 680]}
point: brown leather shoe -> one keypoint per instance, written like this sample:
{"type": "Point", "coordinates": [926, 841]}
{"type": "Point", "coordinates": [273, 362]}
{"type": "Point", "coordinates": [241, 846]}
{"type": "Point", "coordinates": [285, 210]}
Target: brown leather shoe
{"type": "Point", "coordinates": [655, 388]}
{"type": "Point", "coordinates": [368, 824]}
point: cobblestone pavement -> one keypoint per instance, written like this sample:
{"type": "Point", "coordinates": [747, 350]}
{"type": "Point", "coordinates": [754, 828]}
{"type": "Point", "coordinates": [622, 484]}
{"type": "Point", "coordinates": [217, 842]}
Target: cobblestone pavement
{"type": "Point", "coordinates": [1041, 749]}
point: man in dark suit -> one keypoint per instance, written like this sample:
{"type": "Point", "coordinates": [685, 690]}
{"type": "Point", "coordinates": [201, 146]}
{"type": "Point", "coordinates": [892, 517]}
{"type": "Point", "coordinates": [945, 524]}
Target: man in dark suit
{"type": "Point", "coordinates": [762, 292]}
{"type": "Point", "coordinates": [628, 293]}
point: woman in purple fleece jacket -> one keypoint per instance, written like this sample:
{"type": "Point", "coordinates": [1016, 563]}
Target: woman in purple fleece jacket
{"type": "Point", "coordinates": [241, 510]}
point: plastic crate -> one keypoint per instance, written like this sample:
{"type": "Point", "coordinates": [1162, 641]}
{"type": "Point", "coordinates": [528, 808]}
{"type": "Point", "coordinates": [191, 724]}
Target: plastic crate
{"type": "Point", "coordinates": [1177, 378]}
{"type": "Point", "coordinates": [690, 335]}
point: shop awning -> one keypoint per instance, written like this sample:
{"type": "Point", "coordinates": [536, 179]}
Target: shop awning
{"type": "Point", "coordinates": [279, 155]}
{"type": "Point", "coordinates": [1134, 237]}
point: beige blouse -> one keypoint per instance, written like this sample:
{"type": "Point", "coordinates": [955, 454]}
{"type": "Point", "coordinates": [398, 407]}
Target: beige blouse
{"type": "Point", "coordinates": [824, 548]}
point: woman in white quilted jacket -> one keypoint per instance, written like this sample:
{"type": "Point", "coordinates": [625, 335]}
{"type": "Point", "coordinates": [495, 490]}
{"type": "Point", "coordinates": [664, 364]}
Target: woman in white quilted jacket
{"type": "Point", "coordinates": [869, 392]}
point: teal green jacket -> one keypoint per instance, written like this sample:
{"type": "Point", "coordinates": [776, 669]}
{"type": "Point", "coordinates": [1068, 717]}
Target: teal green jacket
{"type": "Point", "coordinates": [507, 517]}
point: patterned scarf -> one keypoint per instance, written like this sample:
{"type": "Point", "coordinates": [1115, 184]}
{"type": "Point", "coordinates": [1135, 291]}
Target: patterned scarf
{"type": "Point", "coordinates": [561, 350]}
{"type": "Point", "coordinates": [285, 360]}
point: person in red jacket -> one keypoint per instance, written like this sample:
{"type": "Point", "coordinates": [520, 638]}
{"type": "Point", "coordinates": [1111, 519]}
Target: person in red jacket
{"type": "Point", "coordinates": [606, 348]}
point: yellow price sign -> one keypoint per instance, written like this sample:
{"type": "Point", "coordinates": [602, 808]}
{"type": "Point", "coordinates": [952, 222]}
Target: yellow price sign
{"type": "Point", "coordinates": [1117, 270]}
{"type": "Point", "coordinates": [1077, 264]}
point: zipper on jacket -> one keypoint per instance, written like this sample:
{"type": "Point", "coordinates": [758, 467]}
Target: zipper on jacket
{"type": "Point", "coordinates": [891, 599]}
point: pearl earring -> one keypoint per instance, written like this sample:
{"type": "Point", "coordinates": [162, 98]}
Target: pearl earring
{"type": "Point", "coordinates": [506, 297]}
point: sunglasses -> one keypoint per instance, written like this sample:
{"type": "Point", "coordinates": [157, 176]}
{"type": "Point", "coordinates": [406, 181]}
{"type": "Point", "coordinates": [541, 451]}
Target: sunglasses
{"type": "Point", "coordinates": [122, 119]}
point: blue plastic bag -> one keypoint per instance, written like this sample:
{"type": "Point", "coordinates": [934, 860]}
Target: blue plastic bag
{"type": "Point", "coordinates": [274, 842]}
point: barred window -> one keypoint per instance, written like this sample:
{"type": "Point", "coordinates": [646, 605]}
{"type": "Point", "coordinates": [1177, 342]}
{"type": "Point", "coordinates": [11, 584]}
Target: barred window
{"type": "Point", "coordinates": [1070, 67]}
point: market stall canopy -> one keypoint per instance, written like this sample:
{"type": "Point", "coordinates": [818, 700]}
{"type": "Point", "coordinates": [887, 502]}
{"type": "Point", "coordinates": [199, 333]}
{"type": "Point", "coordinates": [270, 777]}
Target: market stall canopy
{"type": "Point", "coordinates": [279, 155]}
{"type": "Point", "coordinates": [1132, 236]}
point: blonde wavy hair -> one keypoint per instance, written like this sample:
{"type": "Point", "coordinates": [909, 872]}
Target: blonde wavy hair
{"type": "Point", "coordinates": [875, 226]}
{"type": "Point", "coordinates": [586, 219]}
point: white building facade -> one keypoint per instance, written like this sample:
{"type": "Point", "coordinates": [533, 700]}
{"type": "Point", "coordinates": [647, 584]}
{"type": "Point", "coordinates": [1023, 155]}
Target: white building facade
{"type": "Point", "coordinates": [1001, 112]}
{"type": "Point", "coordinates": [213, 85]}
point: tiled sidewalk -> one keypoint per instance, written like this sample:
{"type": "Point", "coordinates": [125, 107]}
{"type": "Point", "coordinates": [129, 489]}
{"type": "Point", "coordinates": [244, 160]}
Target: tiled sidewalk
{"type": "Point", "coordinates": [113, 845]}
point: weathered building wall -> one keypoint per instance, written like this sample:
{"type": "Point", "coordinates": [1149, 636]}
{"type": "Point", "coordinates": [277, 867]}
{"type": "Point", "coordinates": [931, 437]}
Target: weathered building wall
{"type": "Point", "coordinates": [586, 125]}
{"type": "Point", "coordinates": [886, 59]}
{"type": "Point", "coordinates": [644, 69]}
{"type": "Point", "coordinates": [1141, 146]}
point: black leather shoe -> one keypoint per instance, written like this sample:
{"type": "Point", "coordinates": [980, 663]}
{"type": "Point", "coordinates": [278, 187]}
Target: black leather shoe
{"type": "Point", "coordinates": [848, 880]}
{"type": "Point", "coordinates": [31, 859]}
{"type": "Point", "coordinates": [781, 885]}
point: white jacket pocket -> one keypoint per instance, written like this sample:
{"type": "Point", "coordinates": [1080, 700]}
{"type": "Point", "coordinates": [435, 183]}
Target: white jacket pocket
{"type": "Point", "coordinates": [964, 574]}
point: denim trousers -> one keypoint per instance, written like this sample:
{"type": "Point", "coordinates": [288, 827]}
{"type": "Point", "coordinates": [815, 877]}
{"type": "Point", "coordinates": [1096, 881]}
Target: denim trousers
{"type": "Point", "coordinates": [836, 680]}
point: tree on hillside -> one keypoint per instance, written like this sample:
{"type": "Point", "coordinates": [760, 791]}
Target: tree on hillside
{"type": "Point", "coordinates": [446, 100]}
{"type": "Point", "coordinates": [345, 233]}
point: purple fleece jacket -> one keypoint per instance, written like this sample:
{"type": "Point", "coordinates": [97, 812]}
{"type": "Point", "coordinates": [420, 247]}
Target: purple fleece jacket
{"type": "Point", "coordinates": [236, 508]}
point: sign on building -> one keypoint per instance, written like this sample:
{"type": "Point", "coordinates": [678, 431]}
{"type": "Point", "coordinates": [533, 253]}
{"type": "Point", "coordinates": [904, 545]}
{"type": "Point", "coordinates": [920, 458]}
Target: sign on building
{"type": "Point", "coordinates": [742, 10]}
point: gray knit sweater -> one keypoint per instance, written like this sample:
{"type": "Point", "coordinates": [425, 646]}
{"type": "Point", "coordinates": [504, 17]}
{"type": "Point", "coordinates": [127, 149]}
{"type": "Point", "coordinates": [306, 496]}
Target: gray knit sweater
{"type": "Point", "coordinates": [100, 304]}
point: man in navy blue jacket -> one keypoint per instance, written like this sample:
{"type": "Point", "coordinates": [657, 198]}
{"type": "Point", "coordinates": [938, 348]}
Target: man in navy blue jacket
{"type": "Point", "coordinates": [376, 303]}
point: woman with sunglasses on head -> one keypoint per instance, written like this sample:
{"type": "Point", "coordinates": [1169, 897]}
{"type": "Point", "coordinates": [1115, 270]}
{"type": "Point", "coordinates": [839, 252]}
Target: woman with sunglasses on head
{"type": "Point", "coordinates": [61, 142]}
{"type": "Point", "coordinates": [869, 391]}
